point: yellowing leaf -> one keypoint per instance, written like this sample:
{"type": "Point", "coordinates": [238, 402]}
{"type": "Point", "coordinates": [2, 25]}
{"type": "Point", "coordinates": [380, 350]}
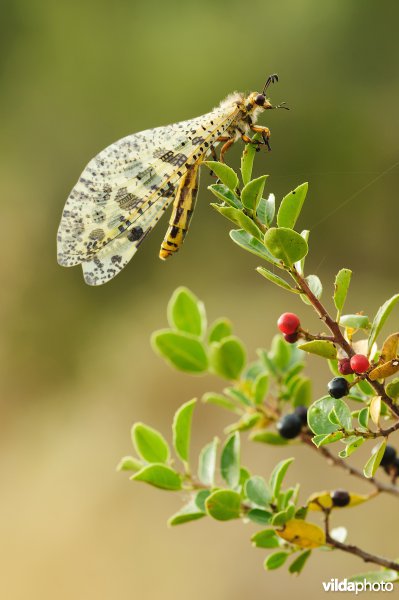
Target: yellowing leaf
{"type": "Point", "coordinates": [375, 409]}
{"type": "Point", "coordinates": [386, 370]}
{"type": "Point", "coordinates": [319, 501]}
{"type": "Point", "coordinates": [302, 534]}
{"type": "Point", "coordinates": [389, 348]}
{"type": "Point", "coordinates": [322, 500]}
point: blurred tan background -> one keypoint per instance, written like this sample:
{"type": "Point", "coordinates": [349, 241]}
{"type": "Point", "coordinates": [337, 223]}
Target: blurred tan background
{"type": "Point", "coordinates": [76, 366]}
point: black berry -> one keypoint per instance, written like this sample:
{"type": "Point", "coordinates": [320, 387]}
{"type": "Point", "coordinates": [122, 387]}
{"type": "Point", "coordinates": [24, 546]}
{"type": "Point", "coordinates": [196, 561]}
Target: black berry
{"type": "Point", "coordinates": [338, 387]}
{"type": "Point", "coordinates": [340, 498]}
{"type": "Point", "coordinates": [289, 426]}
{"type": "Point", "coordinates": [388, 457]}
{"type": "Point", "coordinates": [302, 413]}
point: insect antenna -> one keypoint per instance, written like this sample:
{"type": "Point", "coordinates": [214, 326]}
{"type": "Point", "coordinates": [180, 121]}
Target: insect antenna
{"type": "Point", "coordinates": [271, 79]}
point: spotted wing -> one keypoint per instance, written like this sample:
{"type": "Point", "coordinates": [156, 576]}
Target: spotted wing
{"type": "Point", "coordinates": [126, 188]}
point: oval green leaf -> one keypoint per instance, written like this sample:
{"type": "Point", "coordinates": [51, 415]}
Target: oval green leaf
{"type": "Point", "coordinates": [149, 444]}
{"type": "Point", "coordinates": [322, 348]}
{"type": "Point", "coordinates": [186, 313]}
{"type": "Point", "coordinates": [224, 173]}
{"type": "Point", "coordinates": [291, 206]}
{"type": "Point", "coordinates": [227, 358]}
{"type": "Point", "coordinates": [252, 193]}
{"type": "Point", "coordinates": [182, 350]}
{"type": "Point", "coordinates": [182, 429]}
{"type": "Point", "coordinates": [251, 244]}
{"type": "Point", "coordinates": [380, 318]}
{"type": "Point", "coordinates": [230, 460]}
{"type": "Point", "coordinates": [159, 476]}
{"type": "Point", "coordinates": [286, 245]}
{"type": "Point", "coordinates": [223, 505]}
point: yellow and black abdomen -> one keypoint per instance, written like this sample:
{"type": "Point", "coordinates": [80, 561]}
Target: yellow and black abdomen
{"type": "Point", "coordinates": [183, 208]}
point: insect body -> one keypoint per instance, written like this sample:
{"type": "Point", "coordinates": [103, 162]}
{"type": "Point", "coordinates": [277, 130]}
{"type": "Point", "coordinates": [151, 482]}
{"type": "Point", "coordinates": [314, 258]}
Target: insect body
{"type": "Point", "coordinates": [127, 187]}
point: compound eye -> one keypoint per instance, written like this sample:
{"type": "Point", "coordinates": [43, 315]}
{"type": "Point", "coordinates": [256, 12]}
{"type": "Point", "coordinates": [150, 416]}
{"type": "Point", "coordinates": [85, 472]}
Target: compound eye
{"type": "Point", "coordinates": [260, 99]}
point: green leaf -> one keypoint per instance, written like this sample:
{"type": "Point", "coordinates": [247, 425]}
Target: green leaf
{"type": "Point", "coordinates": [189, 512]}
{"type": "Point", "coordinates": [266, 538]}
{"type": "Point", "coordinates": [392, 388]}
{"type": "Point", "coordinates": [278, 474]}
{"type": "Point", "coordinates": [182, 350]}
{"type": "Point", "coordinates": [159, 476]}
{"type": "Point", "coordinates": [219, 400]}
{"type": "Point", "coordinates": [223, 505]}
{"type": "Point", "coordinates": [224, 173]}
{"type": "Point", "coordinates": [352, 447]}
{"type": "Point", "coordinates": [260, 387]}
{"type": "Point", "coordinates": [318, 415]}
{"type": "Point", "coordinates": [276, 279]}
{"type": "Point", "coordinates": [252, 193]}
{"type": "Point", "coordinates": [315, 286]}
{"type": "Point", "coordinates": [380, 318]}
{"type": "Point", "coordinates": [257, 491]}
{"type": "Point", "coordinates": [247, 159]}
{"type": "Point", "coordinates": [291, 206]}
{"type": "Point", "coordinates": [341, 287]}
{"type": "Point", "coordinates": [230, 461]}
{"type": "Point", "coordinates": [373, 462]}
{"type": "Point", "coordinates": [355, 321]}
{"type": "Point", "coordinates": [323, 439]}
{"type": "Point", "coordinates": [247, 421]}
{"type": "Point", "coordinates": [149, 444]}
{"type": "Point", "coordinates": [186, 313]}
{"type": "Point", "coordinates": [283, 516]}
{"type": "Point", "coordinates": [220, 329]}
{"type": "Point", "coordinates": [182, 429]}
{"type": "Point", "coordinates": [343, 413]}
{"type": "Point", "coordinates": [299, 265]}
{"type": "Point", "coordinates": [363, 417]}
{"type": "Point", "coordinates": [268, 437]}
{"type": "Point", "coordinates": [275, 560]}
{"type": "Point", "coordinates": [285, 245]}
{"type": "Point", "coordinates": [223, 193]}
{"type": "Point", "coordinates": [227, 358]}
{"type": "Point", "coordinates": [376, 576]}
{"type": "Point", "coordinates": [207, 463]}
{"type": "Point", "coordinates": [303, 392]}
{"type": "Point", "coordinates": [322, 348]}
{"type": "Point", "coordinates": [251, 244]}
{"type": "Point", "coordinates": [280, 353]}
{"type": "Point", "coordinates": [297, 565]}
{"type": "Point", "coordinates": [200, 499]}
{"type": "Point", "coordinates": [239, 218]}
{"type": "Point", "coordinates": [129, 463]}
{"type": "Point", "coordinates": [265, 210]}
{"type": "Point", "coordinates": [259, 516]}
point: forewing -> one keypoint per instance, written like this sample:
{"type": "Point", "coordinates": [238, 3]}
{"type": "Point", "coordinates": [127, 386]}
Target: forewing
{"type": "Point", "coordinates": [129, 185]}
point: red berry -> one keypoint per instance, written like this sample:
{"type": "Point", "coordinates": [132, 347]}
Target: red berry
{"type": "Point", "coordinates": [344, 366]}
{"type": "Point", "coordinates": [288, 323]}
{"type": "Point", "coordinates": [359, 363]}
{"type": "Point", "coordinates": [291, 338]}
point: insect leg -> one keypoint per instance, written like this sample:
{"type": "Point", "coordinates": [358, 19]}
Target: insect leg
{"type": "Point", "coordinates": [265, 131]}
{"type": "Point", "coordinates": [183, 207]}
{"type": "Point", "coordinates": [229, 142]}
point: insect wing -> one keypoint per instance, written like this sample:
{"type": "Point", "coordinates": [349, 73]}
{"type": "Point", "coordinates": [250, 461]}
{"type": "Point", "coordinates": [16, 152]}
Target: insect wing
{"type": "Point", "coordinates": [127, 187]}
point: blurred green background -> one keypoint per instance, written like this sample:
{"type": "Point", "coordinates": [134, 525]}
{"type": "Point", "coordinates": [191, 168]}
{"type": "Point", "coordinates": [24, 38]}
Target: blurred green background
{"type": "Point", "coordinates": [76, 366]}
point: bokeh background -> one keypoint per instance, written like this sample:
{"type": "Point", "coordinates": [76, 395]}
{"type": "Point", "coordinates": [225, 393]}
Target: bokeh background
{"type": "Point", "coordinates": [76, 365]}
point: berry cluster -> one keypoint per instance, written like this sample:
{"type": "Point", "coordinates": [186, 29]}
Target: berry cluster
{"type": "Point", "coordinates": [289, 325]}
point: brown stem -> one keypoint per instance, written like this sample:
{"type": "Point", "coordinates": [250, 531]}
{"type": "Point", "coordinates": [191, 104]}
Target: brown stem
{"type": "Point", "coordinates": [339, 462]}
{"type": "Point", "coordinates": [351, 549]}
